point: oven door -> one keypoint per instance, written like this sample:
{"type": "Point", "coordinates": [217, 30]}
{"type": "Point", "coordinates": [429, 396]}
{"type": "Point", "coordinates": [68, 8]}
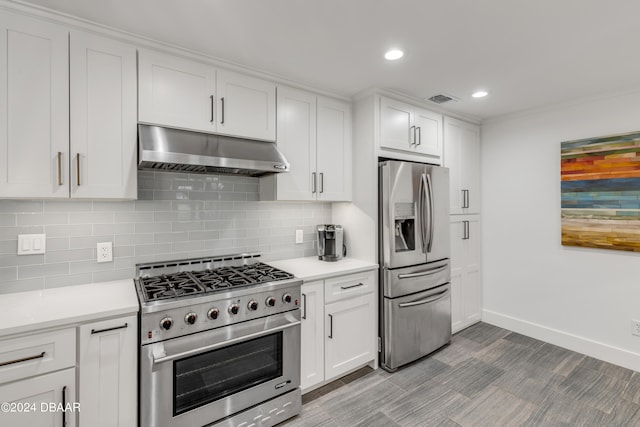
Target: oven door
{"type": "Point", "coordinates": [201, 378]}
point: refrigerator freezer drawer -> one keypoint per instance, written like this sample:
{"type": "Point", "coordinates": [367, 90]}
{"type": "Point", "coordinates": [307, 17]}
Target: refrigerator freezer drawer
{"type": "Point", "coordinates": [415, 326]}
{"type": "Point", "coordinates": [409, 280]}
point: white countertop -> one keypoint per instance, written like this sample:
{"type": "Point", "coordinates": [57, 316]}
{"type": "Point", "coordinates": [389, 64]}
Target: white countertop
{"type": "Point", "coordinates": [311, 268]}
{"type": "Point", "coordinates": [28, 311]}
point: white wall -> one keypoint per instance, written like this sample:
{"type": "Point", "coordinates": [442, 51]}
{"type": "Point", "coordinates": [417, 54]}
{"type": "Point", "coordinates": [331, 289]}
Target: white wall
{"type": "Point", "coordinates": [582, 299]}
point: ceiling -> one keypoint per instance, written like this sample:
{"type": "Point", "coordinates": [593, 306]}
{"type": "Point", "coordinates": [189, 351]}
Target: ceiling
{"type": "Point", "coordinates": [527, 54]}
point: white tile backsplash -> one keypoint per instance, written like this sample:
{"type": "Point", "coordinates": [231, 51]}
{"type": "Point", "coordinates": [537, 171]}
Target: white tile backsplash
{"type": "Point", "coordinates": [175, 216]}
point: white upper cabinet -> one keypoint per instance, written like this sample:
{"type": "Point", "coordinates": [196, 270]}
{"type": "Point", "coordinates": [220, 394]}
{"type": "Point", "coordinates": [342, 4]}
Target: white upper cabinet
{"type": "Point", "coordinates": [462, 157]}
{"type": "Point", "coordinates": [334, 150]}
{"type": "Point", "coordinates": [34, 108]}
{"type": "Point", "coordinates": [103, 118]}
{"type": "Point", "coordinates": [176, 92]}
{"type": "Point", "coordinates": [410, 129]}
{"type": "Point", "coordinates": [314, 134]}
{"type": "Point", "coordinates": [246, 106]}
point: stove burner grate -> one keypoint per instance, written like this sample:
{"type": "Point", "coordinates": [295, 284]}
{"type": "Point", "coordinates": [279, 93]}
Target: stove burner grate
{"type": "Point", "coordinates": [170, 286]}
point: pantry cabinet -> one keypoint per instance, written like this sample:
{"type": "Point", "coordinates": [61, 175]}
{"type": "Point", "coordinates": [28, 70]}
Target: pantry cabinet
{"type": "Point", "coordinates": [34, 108]}
{"type": "Point", "coordinates": [187, 94]}
{"type": "Point", "coordinates": [462, 157]}
{"type": "Point", "coordinates": [338, 327]}
{"type": "Point", "coordinates": [410, 129]}
{"type": "Point", "coordinates": [466, 290]}
{"type": "Point", "coordinates": [314, 134]}
{"type": "Point", "coordinates": [107, 361]}
{"type": "Point", "coordinates": [312, 333]}
{"type": "Point", "coordinates": [103, 118]}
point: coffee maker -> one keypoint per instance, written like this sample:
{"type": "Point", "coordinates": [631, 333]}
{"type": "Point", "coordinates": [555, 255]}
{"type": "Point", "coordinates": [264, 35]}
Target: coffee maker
{"type": "Point", "coordinates": [330, 242]}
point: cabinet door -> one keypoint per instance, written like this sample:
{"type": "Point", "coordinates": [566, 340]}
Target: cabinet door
{"type": "Point", "coordinates": [34, 108]}
{"type": "Point", "coordinates": [246, 106]}
{"type": "Point", "coordinates": [38, 394]}
{"type": "Point", "coordinates": [297, 141]}
{"type": "Point", "coordinates": [334, 150]}
{"type": "Point", "coordinates": [350, 333]}
{"type": "Point", "coordinates": [428, 135]}
{"type": "Point", "coordinates": [108, 372]}
{"type": "Point", "coordinates": [471, 275]}
{"type": "Point", "coordinates": [103, 118]}
{"type": "Point", "coordinates": [457, 234]}
{"type": "Point", "coordinates": [176, 92]}
{"type": "Point", "coordinates": [462, 157]}
{"type": "Point", "coordinates": [396, 121]}
{"type": "Point", "coordinates": [312, 333]}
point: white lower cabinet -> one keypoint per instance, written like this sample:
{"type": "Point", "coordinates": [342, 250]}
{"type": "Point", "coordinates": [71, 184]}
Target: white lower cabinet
{"type": "Point", "coordinates": [42, 401]}
{"type": "Point", "coordinates": [108, 372]}
{"type": "Point", "coordinates": [466, 288]}
{"type": "Point", "coordinates": [338, 327]}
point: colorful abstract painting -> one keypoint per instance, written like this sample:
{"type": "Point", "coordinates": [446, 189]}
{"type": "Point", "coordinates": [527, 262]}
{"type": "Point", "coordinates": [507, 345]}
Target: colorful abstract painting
{"type": "Point", "coordinates": [600, 187]}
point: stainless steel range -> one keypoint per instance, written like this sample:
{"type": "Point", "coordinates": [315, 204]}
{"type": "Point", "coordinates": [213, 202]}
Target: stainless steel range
{"type": "Point", "coordinates": [220, 342]}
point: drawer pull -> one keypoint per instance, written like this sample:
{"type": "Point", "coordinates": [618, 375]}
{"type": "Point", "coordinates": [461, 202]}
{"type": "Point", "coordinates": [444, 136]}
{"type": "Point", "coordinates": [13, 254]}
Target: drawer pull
{"type": "Point", "coordinates": [99, 331]}
{"type": "Point", "coordinates": [352, 286]}
{"type": "Point", "coordinates": [331, 326]}
{"type": "Point", "coordinates": [422, 273]}
{"type": "Point", "coordinates": [434, 298]}
{"type": "Point", "coordinates": [64, 404]}
{"type": "Point", "coordinates": [39, 356]}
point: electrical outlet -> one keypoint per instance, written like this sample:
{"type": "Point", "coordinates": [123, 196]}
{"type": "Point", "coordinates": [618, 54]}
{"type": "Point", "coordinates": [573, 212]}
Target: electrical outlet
{"type": "Point", "coordinates": [105, 252]}
{"type": "Point", "coordinates": [299, 236]}
{"type": "Point", "coordinates": [635, 327]}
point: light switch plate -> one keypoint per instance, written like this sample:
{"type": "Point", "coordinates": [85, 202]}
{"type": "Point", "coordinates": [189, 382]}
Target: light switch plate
{"type": "Point", "coordinates": [299, 236]}
{"type": "Point", "coordinates": [31, 244]}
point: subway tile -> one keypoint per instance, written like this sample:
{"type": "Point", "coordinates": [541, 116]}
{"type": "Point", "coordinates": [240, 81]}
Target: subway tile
{"type": "Point", "coordinates": [69, 255]}
{"type": "Point", "coordinates": [218, 244]}
{"type": "Point", "coordinates": [246, 242]}
{"type": "Point", "coordinates": [88, 242]}
{"type": "Point", "coordinates": [205, 195]}
{"type": "Point", "coordinates": [68, 230]}
{"type": "Point", "coordinates": [42, 270]}
{"type": "Point", "coordinates": [204, 235]}
{"type": "Point", "coordinates": [246, 223]}
{"type": "Point", "coordinates": [123, 251]}
{"type": "Point", "coordinates": [232, 232]}
{"type": "Point", "coordinates": [188, 205]}
{"type": "Point", "coordinates": [139, 217]}
{"type": "Point", "coordinates": [57, 244]}
{"type": "Point", "coordinates": [67, 280]}
{"type": "Point", "coordinates": [187, 246]}
{"type": "Point", "coordinates": [170, 195]}
{"type": "Point", "coordinates": [89, 266]}
{"type": "Point", "coordinates": [8, 273]}
{"type": "Point", "coordinates": [91, 217]}
{"type": "Point", "coordinates": [100, 229]}
{"type": "Point", "coordinates": [42, 218]}
{"type": "Point", "coordinates": [219, 205]}
{"type": "Point", "coordinates": [68, 206]}
{"type": "Point", "coordinates": [145, 195]}
{"type": "Point", "coordinates": [133, 239]}
{"type": "Point", "coordinates": [232, 196]}
{"type": "Point", "coordinates": [21, 206]}
{"type": "Point", "coordinates": [252, 187]}
{"type": "Point", "coordinates": [104, 206]}
{"type": "Point", "coordinates": [8, 247]}
{"type": "Point", "coordinates": [152, 227]}
{"type": "Point", "coordinates": [22, 285]}
{"type": "Point", "coordinates": [152, 205]}
{"type": "Point", "coordinates": [108, 276]}
{"type": "Point", "coordinates": [218, 225]}
{"type": "Point", "coordinates": [11, 233]}
{"type": "Point", "coordinates": [17, 260]}
{"type": "Point", "coordinates": [171, 237]}
{"type": "Point", "coordinates": [158, 248]}
{"type": "Point", "coordinates": [187, 226]}
{"type": "Point", "coordinates": [127, 262]}
{"type": "Point", "coordinates": [8, 220]}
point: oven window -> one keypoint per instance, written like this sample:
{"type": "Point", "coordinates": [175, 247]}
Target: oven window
{"type": "Point", "coordinates": [210, 376]}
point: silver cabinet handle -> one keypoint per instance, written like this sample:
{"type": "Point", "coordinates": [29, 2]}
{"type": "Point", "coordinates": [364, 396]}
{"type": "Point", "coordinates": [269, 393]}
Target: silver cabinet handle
{"type": "Point", "coordinates": [330, 326]}
{"type": "Point", "coordinates": [434, 298]}
{"type": "Point", "coordinates": [352, 286]}
{"type": "Point", "coordinates": [321, 182]}
{"type": "Point", "coordinates": [465, 198]}
{"type": "Point", "coordinates": [412, 130]}
{"type": "Point", "coordinates": [222, 101]}
{"type": "Point", "coordinates": [422, 273]}
{"type": "Point", "coordinates": [24, 359]}
{"type": "Point", "coordinates": [304, 306]}
{"type": "Point", "coordinates": [313, 182]}
{"type": "Point", "coordinates": [419, 139]}
{"type": "Point", "coordinates": [64, 404]}
{"type": "Point", "coordinates": [465, 230]}
{"type": "Point", "coordinates": [212, 108]}
{"type": "Point", "coordinates": [78, 169]}
{"type": "Point", "coordinates": [59, 167]}
{"type": "Point", "coordinates": [99, 331]}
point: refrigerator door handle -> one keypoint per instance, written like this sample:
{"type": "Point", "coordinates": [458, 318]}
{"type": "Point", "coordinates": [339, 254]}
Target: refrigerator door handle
{"type": "Point", "coordinates": [434, 298]}
{"type": "Point", "coordinates": [429, 196]}
{"type": "Point", "coordinates": [421, 202]}
{"type": "Point", "coordinates": [422, 273]}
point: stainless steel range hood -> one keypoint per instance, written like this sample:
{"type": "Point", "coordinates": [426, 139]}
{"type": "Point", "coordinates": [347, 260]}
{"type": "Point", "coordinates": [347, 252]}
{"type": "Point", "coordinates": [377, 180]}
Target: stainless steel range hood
{"type": "Point", "coordinates": [166, 149]}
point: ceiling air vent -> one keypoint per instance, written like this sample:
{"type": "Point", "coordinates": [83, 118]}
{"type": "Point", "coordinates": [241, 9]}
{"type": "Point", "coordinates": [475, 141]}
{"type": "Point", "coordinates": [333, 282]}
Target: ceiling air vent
{"type": "Point", "coordinates": [442, 98]}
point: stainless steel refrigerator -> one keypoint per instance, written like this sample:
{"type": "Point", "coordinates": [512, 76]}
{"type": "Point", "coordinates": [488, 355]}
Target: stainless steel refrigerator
{"type": "Point", "coordinates": [415, 300]}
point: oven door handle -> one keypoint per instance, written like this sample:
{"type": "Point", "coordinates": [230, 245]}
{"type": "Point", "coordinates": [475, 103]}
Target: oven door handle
{"type": "Point", "coordinates": [223, 344]}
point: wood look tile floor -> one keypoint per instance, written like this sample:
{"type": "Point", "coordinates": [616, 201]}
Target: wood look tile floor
{"type": "Point", "coordinates": [487, 376]}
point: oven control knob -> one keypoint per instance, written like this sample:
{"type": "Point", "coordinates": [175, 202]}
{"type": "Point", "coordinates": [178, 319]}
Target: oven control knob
{"type": "Point", "coordinates": [234, 309]}
{"type": "Point", "coordinates": [271, 301]}
{"type": "Point", "coordinates": [286, 298]}
{"type": "Point", "coordinates": [166, 323]}
{"type": "Point", "coordinates": [190, 318]}
{"type": "Point", "coordinates": [213, 313]}
{"type": "Point", "coordinates": [253, 305]}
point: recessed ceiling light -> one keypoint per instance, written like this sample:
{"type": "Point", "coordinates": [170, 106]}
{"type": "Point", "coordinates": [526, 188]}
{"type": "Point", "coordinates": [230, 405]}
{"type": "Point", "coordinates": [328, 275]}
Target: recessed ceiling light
{"type": "Point", "coordinates": [480, 94]}
{"type": "Point", "coordinates": [393, 54]}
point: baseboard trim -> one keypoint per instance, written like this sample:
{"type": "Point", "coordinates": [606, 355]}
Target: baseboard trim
{"type": "Point", "coordinates": [596, 349]}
